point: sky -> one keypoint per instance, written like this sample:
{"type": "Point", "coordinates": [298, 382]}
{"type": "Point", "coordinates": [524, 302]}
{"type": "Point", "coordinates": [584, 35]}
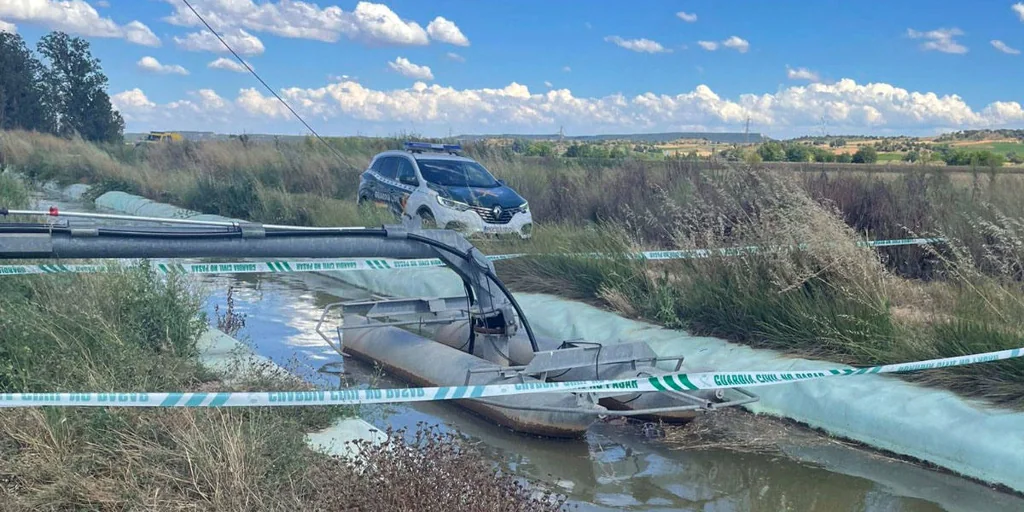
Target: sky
{"type": "Point", "coordinates": [529, 66]}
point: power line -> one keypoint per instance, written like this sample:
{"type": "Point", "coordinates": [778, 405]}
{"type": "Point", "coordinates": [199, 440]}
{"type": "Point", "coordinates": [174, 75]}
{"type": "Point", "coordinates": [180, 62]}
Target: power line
{"type": "Point", "coordinates": [255, 74]}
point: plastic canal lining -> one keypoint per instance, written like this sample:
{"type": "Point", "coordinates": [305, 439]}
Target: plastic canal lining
{"type": "Point", "coordinates": [619, 465]}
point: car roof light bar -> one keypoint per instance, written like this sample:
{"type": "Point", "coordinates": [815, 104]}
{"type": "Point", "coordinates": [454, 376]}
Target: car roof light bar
{"type": "Point", "coordinates": [418, 147]}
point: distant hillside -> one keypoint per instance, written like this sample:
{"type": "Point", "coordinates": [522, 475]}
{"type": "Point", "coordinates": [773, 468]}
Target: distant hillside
{"type": "Point", "coordinates": [717, 137]}
{"type": "Point", "coordinates": [198, 136]}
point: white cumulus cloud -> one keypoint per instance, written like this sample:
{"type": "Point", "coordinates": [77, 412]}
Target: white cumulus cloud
{"type": "Point", "coordinates": [132, 100]}
{"type": "Point", "coordinates": [548, 84]}
{"type": "Point", "coordinates": [844, 104]}
{"type": "Point", "coordinates": [345, 106]}
{"type": "Point", "coordinates": [369, 23]}
{"type": "Point", "coordinates": [940, 40]}
{"type": "Point", "coordinates": [1005, 48]}
{"type": "Point", "coordinates": [228, 65]}
{"type": "Point", "coordinates": [8, 27]}
{"type": "Point", "coordinates": [241, 41]}
{"type": "Point", "coordinates": [802, 74]}
{"type": "Point", "coordinates": [446, 32]}
{"type": "Point", "coordinates": [567, 69]}
{"type": "Point", "coordinates": [456, 57]}
{"type": "Point", "coordinates": [1019, 9]}
{"type": "Point", "coordinates": [410, 70]}
{"type": "Point", "coordinates": [138, 33]}
{"type": "Point", "coordinates": [638, 45]}
{"type": "Point", "coordinates": [102, 3]}
{"type": "Point", "coordinates": [201, 110]}
{"type": "Point", "coordinates": [687, 17]}
{"type": "Point", "coordinates": [737, 43]}
{"type": "Point", "coordinates": [152, 65]}
{"type": "Point", "coordinates": [75, 17]}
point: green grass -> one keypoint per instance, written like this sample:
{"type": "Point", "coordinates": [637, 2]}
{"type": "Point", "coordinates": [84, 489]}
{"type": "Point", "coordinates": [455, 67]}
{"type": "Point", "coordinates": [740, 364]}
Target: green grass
{"type": "Point", "coordinates": [890, 157]}
{"type": "Point", "coordinates": [1000, 147]}
{"type": "Point", "coordinates": [13, 193]}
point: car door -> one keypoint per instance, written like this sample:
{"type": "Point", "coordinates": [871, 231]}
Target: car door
{"type": "Point", "coordinates": [386, 190]}
{"type": "Point", "coordinates": [407, 182]}
{"type": "Point", "coordinates": [373, 185]}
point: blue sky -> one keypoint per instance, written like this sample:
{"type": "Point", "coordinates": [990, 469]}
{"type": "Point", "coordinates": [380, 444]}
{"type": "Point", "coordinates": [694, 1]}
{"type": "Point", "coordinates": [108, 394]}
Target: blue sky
{"type": "Point", "coordinates": [531, 66]}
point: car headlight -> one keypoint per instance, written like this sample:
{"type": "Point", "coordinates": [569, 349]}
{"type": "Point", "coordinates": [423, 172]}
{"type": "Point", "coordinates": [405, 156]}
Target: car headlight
{"type": "Point", "coordinates": [455, 205]}
{"type": "Point", "coordinates": [525, 207]}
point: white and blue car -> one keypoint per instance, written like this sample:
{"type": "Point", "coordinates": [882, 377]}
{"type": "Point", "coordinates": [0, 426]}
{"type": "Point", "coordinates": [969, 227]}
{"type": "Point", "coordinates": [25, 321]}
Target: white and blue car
{"type": "Point", "coordinates": [446, 190]}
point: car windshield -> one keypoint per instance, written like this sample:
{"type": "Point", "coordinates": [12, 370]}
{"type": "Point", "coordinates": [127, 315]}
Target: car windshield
{"type": "Point", "coordinates": [456, 173]}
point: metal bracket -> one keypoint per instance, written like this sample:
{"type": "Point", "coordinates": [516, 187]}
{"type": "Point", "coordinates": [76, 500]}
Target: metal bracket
{"type": "Point", "coordinates": [443, 310]}
{"type": "Point", "coordinates": [252, 230]}
{"type": "Point", "coordinates": [502, 371]}
{"type": "Point", "coordinates": [550, 361]}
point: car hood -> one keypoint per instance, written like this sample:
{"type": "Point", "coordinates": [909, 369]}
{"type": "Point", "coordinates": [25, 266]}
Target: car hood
{"type": "Point", "coordinates": [487, 197]}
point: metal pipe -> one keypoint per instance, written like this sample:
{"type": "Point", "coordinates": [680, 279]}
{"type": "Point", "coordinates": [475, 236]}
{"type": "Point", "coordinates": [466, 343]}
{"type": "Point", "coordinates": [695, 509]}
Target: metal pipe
{"type": "Point", "coordinates": [167, 220]}
{"type": "Point", "coordinates": [132, 218]}
{"type": "Point", "coordinates": [63, 245]}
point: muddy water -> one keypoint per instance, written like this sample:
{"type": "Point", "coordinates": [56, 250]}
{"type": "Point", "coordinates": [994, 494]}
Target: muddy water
{"type": "Point", "coordinates": [617, 466]}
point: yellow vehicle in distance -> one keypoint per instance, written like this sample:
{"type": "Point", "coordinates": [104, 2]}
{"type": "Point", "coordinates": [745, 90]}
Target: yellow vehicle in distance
{"type": "Point", "coordinates": [155, 137]}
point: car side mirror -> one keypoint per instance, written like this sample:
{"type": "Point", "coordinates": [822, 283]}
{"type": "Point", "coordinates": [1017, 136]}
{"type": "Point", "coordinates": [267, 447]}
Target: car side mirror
{"type": "Point", "coordinates": [409, 180]}
{"type": "Point", "coordinates": [501, 182]}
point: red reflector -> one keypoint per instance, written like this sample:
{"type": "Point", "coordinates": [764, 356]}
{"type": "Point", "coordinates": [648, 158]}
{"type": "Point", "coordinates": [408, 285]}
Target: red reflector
{"type": "Point", "coordinates": [53, 211]}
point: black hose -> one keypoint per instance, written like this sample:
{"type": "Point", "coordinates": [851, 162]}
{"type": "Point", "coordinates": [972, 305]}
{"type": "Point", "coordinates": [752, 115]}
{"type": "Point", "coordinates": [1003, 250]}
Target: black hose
{"type": "Point", "coordinates": [490, 275]}
{"type": "Point", "coordinates": [519, 310]}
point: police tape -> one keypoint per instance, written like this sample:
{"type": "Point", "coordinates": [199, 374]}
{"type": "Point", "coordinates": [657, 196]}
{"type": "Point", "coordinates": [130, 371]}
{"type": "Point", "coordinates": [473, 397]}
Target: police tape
{"type": "Point", "coordinates": [664, 383]}
{"type": "Point", "coordinates": [334, 265]}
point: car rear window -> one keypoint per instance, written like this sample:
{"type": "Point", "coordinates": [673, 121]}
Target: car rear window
{"type": "Point", "coordinates": [456, 173]}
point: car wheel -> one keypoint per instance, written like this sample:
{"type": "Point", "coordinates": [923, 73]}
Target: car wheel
{"type": "Point", "coordinates": [427, 219]}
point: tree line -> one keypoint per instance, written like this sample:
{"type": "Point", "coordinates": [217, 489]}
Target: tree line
{"type": "Point", "coordinates": [63, 91]}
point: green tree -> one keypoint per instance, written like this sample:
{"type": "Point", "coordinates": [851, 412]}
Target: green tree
{"type": "Point", "coordinates": [912, 156]}
{"type": "Point", "coordinates": [844, 158]}
{"type": "Point", "coordinates": [76, 90]}
{"type": "Point", "coordinates": [865, 155]}
{"type": "Point", "coordinates": [21, 92]}
{"type": "Point", "coordinates": [988, 159]}
{"type": "Point", "coordinates": [797, 153]}
{"type": "Point", "coordinates": [823, 155]}
{"type": "Point", "coordinates": [540, 149]}
{"type": "Point", "coordinates": [771, 152]}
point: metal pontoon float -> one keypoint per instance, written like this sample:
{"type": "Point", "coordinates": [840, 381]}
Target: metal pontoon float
{"type": "Point", "coordinates": [480, 338]}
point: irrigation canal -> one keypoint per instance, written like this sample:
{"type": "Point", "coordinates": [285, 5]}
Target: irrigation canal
{"type": "Point", "coordinates": [618, 466]}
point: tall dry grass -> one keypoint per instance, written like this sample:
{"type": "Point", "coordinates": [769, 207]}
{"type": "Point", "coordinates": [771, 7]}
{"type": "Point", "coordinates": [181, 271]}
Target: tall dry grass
{"type": "Point", "coordinates": [831, 300]}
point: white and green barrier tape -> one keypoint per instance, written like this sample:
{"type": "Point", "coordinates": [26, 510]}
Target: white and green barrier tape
{"type": "Point", "coordinates": [324, 265]}
{"type": "Point", "coordinates": [669, 382]}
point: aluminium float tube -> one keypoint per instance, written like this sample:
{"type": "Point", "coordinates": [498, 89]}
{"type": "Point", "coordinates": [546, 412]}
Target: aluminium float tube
{"type": "Point", "coordinates": [456, 335]}
{"type": "Point", "coordinates": [424, 362]}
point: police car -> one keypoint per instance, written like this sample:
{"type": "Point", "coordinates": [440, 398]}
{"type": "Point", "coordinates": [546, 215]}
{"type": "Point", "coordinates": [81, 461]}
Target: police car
{"type": "Point", "coordinates": [446, 190]}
